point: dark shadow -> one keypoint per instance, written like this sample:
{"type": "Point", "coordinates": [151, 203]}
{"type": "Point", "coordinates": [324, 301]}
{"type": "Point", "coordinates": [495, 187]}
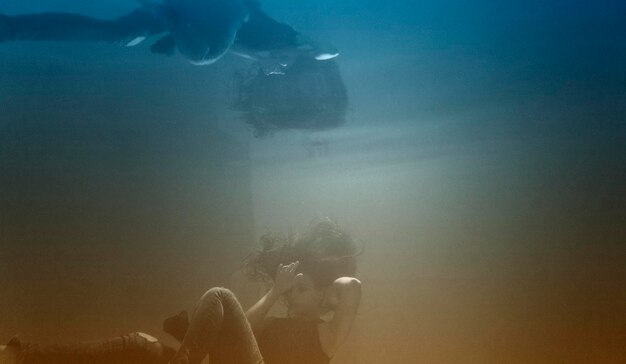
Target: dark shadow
{"type": "Point", "coordinates": [310, 95]}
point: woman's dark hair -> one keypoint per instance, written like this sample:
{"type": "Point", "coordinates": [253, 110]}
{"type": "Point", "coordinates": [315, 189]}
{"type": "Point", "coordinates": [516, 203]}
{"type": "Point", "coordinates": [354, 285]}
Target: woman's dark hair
{"type": "Point", "coordinates": [325, 253]}
{"type": "Point", "coordinates": [310, 96]}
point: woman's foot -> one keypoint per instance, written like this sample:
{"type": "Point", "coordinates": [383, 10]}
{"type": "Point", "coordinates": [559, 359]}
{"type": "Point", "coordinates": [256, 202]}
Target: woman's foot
{"type": "Point", "coordinates": [177, 325]}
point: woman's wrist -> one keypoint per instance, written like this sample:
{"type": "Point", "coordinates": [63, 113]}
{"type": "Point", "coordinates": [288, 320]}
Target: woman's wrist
{"type": "Point", "coordinates": [273, 294]}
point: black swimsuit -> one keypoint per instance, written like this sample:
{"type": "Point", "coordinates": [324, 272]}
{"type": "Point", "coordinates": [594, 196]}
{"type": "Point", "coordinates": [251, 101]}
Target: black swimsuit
{"type": "Point", "coordinates": [291, 340]}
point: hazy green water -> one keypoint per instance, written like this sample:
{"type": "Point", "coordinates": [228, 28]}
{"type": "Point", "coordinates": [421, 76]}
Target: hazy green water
{"type": "Point", "coordinates": [483, 165]}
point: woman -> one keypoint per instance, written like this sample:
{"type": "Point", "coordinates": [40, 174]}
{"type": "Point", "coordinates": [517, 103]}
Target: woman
{"type": "Point", "coordinates": [312, 274]}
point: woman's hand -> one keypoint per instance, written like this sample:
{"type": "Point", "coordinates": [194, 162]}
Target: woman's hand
{"type": "Point", "coordinates": [285, 277]}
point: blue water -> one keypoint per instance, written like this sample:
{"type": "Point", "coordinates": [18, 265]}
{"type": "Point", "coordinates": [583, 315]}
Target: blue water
{"type": "Point", "coordinates": [482, 160]}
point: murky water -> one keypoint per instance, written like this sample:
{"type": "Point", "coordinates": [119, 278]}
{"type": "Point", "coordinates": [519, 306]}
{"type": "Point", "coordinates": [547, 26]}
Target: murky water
{"type": "Point", "coordinates": [481, 161]}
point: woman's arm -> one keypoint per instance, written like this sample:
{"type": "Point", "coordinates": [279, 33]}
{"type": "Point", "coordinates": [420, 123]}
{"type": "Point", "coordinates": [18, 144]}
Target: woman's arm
{"type": "Point", "coordinates": [256, 314]}
{"type": "Point", "coordinates": [345, 296]}
{"type": "Point", "coordinates": [285, 277]}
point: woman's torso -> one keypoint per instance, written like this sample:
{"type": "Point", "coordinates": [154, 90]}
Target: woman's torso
{"type": "Point", "coordinates": [292, 340]}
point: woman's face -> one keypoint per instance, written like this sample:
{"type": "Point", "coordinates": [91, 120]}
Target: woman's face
{"type": "Point", "coordinates": [304, 300]}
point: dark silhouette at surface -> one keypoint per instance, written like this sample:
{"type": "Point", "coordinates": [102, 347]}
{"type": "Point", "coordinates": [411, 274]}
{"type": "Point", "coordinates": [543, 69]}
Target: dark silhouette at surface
{"type": "Point", "coordinates": [202, 31]}
{"type": "Point", "coordinates": [293, 82]}
{"type": "Point", "coordinates": [310, 95]}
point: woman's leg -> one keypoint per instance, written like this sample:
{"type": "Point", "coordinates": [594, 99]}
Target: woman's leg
{"type": "Point", "coordinates": [220, 329]}
{"type": "Point", "coordinates": [135, 348]}
{"type": "Point", "coordinates": [126, 30]}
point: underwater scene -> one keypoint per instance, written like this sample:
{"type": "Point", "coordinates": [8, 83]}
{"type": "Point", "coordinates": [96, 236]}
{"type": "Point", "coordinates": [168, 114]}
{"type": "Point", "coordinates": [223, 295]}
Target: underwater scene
{"type": "Point", "coordinates": [313, 181]}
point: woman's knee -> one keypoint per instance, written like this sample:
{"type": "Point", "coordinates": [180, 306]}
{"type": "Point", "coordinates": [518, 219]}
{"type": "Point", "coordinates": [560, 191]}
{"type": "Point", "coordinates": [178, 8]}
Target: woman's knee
{"type": "Point", "coordinates": [221, 293]}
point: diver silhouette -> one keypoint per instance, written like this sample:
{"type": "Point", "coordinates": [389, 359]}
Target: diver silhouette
{"type": "Point", "coordinates": [294, 82]}
{"type": "Point", "coordinates": [201, 30]}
